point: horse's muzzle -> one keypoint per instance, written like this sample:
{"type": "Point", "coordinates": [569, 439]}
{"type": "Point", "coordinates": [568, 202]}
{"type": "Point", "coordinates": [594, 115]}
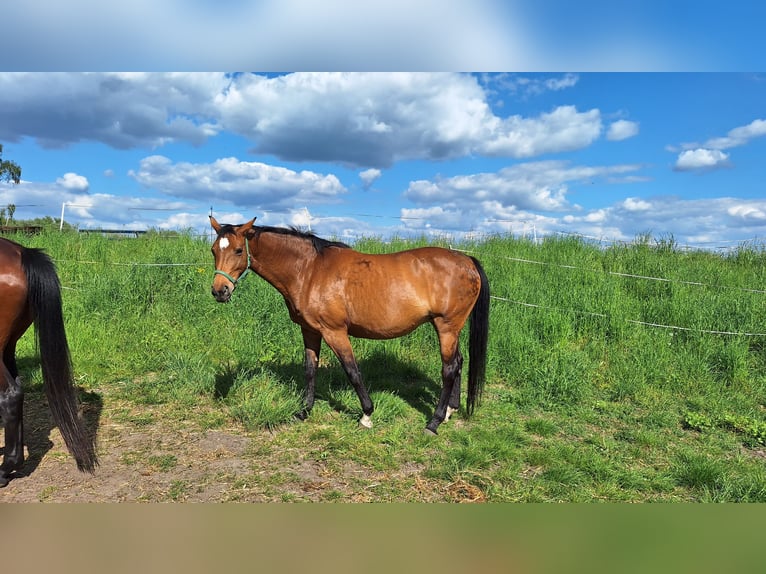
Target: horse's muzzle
{"type": "Point", "coordinates": [222, 295]}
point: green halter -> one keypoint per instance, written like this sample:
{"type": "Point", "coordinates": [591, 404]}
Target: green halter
{"type": "Point", "coordinates": [244, 273]}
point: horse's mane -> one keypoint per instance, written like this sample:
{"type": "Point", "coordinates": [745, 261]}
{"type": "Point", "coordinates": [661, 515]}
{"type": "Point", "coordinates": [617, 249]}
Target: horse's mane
{"type": "Point", "coordinates": [318, 243]}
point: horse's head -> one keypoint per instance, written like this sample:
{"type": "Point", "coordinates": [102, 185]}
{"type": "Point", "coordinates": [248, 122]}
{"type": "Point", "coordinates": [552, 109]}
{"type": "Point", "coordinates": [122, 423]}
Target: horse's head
{"type": "Point", "coordinates": [232, 257]}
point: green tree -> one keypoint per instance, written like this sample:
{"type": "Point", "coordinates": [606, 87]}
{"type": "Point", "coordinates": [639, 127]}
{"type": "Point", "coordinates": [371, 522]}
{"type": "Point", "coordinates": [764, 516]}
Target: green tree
{"type": "Point", "coordinates": [9, 170]}
{"type": "Point", "coordinates": [10, 210]}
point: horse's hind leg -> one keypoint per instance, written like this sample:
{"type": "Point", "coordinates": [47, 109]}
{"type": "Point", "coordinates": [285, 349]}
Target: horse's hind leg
{"type": "Point", "coordinates": [11, 413]}
{"type": "Point", "coordinates": [452, 365]}
{"type": "Point", "coordinates": [454, 401]}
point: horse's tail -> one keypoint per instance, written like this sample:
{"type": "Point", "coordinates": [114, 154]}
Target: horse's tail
{"type": "Point", "coordinates": [477, 342]}
{"type": "Point", "coordinates": [44, 297]}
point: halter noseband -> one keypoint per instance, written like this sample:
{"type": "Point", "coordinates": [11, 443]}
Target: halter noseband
{"type": "Point", "coordinates": [244, 273]}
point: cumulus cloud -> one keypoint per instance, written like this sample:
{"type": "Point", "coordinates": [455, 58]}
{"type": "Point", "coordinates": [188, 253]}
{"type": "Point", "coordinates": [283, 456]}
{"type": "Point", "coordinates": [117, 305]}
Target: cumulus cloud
{"type": "Point", "coordinates": [73, 182]}
{"type": "Point", "coordinates": [636, 204]}
{"type": "Point", "coordinates": [368, 120]}
{"type": "Point", "coordinates": [621, 130]}
{"type": "Point", "coordinates": [121, 110]}
{"type": "Point", "coordinates": [697, 159]}
{"type": "Point", "coordinates": [709, 156]}
{"type": "Point", "coordinates": [563, 129]}
{"type": "Point", "coordinates": [738, 136]}
{"type": "Point", "coordinates": [369, 176]}
{"type": "Point", "coordinates": [92, 210]}
{"type": "Point", "coordinates": [694, 221]}
{"type": "Point", "coordinates": [247, 184]}
{"type": "Point", "coordinates": [529, 186]}
{"type": "Point", "coordinates": [377, 119]}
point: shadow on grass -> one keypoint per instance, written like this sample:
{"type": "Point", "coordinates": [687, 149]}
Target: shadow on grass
{"type": "Point", "coordinates": [38, 421]}
{"type": "Point", "coordinates": [381, 371]}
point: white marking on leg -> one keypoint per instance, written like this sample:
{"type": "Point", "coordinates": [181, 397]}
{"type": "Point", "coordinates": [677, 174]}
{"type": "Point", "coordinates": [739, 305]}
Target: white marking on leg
{"type": "Point", "coordinates": [223, 243]}
{"type": "Point", "coordinates": [450, 410]}
{"type": "Point", "coordinates": [366, 421]}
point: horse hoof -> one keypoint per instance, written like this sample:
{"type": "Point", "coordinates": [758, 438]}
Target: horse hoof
{"type": "Point", "coordinates": [365, 422]}
{"type": "Point", "coordinates": [301, 415]}
{"type": "Point", "coordinates": [429, 432]}
{"type": "Point", "coordinates": [4, 480]}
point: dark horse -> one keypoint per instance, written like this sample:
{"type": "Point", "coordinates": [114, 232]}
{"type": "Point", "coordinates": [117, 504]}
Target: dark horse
{"type": "Point", "coordinates": [30, 292]}
{"type": "Point", "coordinates": [333, 291]}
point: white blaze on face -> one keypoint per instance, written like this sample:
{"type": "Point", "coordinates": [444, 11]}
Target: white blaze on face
{"type": "Point", "coordinates": [223, 243]}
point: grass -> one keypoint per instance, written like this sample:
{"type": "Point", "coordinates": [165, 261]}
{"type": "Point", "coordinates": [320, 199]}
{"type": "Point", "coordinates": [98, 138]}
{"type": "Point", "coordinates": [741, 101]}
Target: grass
{"type": "Point", "coordinates": [582, 403]}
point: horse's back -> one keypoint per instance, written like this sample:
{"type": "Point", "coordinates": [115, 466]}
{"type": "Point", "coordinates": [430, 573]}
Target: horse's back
{"type": "Point", "coordinates": [388, 295]}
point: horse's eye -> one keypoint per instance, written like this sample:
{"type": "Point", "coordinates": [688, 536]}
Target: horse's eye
{"type": "Point", "coordinates": [239, 251]}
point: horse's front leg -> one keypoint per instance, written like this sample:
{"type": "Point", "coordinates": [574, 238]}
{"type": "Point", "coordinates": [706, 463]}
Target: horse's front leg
{"type": "Point", "coordinates": [11, 414]}
{"type": "Point", "coordinates": [312, 342]}
{"type": "Point", "coordinates": [338, 341]}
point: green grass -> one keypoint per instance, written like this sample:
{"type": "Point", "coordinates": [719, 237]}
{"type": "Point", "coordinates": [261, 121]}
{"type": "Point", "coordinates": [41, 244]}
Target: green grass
{"type": "Point", "coordinates": [582, 403]}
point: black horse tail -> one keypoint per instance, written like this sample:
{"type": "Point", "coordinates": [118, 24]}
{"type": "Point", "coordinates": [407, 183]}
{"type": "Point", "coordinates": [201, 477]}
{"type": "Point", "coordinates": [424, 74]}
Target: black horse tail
{"type": "Point", "coordinates": [477, 342]}
{"type": "Point", "coordinates": [44, 297]}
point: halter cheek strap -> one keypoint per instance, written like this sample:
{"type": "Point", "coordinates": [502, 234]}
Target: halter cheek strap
{"type": "Point", "coordinates": [244, 273]}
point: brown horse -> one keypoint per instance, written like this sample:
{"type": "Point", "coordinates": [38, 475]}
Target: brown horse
{"type": "Point", "coordinates": [30, 292]}
{"type": "Point", "coordinates": [333, 291]}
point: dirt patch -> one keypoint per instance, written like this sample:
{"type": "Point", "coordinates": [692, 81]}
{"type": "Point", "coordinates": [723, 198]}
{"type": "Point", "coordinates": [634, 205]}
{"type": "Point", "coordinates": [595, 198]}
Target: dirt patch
{"type": "Point", "coordinates": [151, 463]}
{"type": "Point", "coordinates": [147, 456]}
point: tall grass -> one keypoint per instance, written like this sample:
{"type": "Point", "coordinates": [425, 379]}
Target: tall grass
{"type": "Point", "coordinates": [583, 402]}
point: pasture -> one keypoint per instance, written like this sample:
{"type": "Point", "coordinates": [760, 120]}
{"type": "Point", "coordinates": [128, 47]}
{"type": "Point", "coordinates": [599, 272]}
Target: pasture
{"type": "Point", "coordinates": [590, 395]}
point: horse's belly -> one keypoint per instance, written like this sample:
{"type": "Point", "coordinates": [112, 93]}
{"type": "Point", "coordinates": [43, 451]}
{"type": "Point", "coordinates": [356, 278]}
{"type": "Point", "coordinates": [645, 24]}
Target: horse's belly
{"type": "Point", "coordinates": [382, 331]}
{"type": "Point", "coordinates": [385, 321]}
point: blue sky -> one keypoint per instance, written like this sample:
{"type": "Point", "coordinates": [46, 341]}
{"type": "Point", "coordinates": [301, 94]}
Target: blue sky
{"type": "Point", "coordinates": [608, 155]}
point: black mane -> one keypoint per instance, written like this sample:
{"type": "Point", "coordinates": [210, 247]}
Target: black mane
{"type": "Point", "coordinates": [318, 243]}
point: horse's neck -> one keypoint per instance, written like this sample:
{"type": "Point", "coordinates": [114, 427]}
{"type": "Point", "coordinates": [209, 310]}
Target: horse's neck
{"type": "Point", "coordinates": [281, 260]}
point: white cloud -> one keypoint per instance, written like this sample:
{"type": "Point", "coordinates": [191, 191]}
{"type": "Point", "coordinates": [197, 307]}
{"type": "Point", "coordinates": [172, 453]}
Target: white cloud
{"type": "Point", "coordinates": [369, 176]}
{"type": "Point", "coordinates": [621, 130]}
{"type": "Point", "coordinates": [688, 220]}
{"type": "Point", "coordinates": [529, 186]}
{"type": "Point", "coordinates": [636, 204]}
{"type": "Point", "coordinates": [358, 119]}
{"type": "Point", "coordinates": [738, 136]}
{"type": "Point", "coordinates": [73, 182]}
{"type": "Point", "coordinates": [709, 156]}
{"type": "Point", "coordinates": [91, 210]}
{"type": "Point", "coordinates": [563, 129]}
{"type": "Point", "coordinates": [700, 158]}
{"type": "Point", "coordinates": [750, 212]}
{"type": "Point", "coordinates": [524, 85]}
{"type": "Point", "coordinates": [120, 110]}
{"type": "Point", "coordinates": [377, 119]}
{"type": "Point", "coordinates": [246, 184]}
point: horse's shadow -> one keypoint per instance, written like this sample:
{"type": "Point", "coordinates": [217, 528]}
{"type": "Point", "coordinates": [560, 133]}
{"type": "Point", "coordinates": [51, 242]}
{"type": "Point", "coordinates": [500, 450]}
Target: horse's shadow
{"type": "Point", "coordinates": [38, 421]}
{"type": "Point", "coordinates": [381, 371]}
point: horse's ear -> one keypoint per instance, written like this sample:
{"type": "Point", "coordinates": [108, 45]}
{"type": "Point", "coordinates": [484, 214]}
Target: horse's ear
{"type": "Point", "coordinates": [215, 224]}
{"type": "Point", "coordinates": [249, 230]}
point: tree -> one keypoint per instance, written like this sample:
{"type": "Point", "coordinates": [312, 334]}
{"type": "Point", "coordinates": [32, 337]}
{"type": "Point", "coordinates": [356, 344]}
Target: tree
{"type": "Point", "coordinates": [10, 210]}
{"type": "Point", "coordinates": [9, 170]}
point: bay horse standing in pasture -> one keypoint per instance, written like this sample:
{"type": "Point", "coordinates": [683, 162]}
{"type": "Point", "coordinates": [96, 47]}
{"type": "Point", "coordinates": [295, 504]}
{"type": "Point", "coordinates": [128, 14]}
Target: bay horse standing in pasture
{"type": "Point", "coordinates": [30, 293]}
{"type": "Point", "coordinates": [333, 292]}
